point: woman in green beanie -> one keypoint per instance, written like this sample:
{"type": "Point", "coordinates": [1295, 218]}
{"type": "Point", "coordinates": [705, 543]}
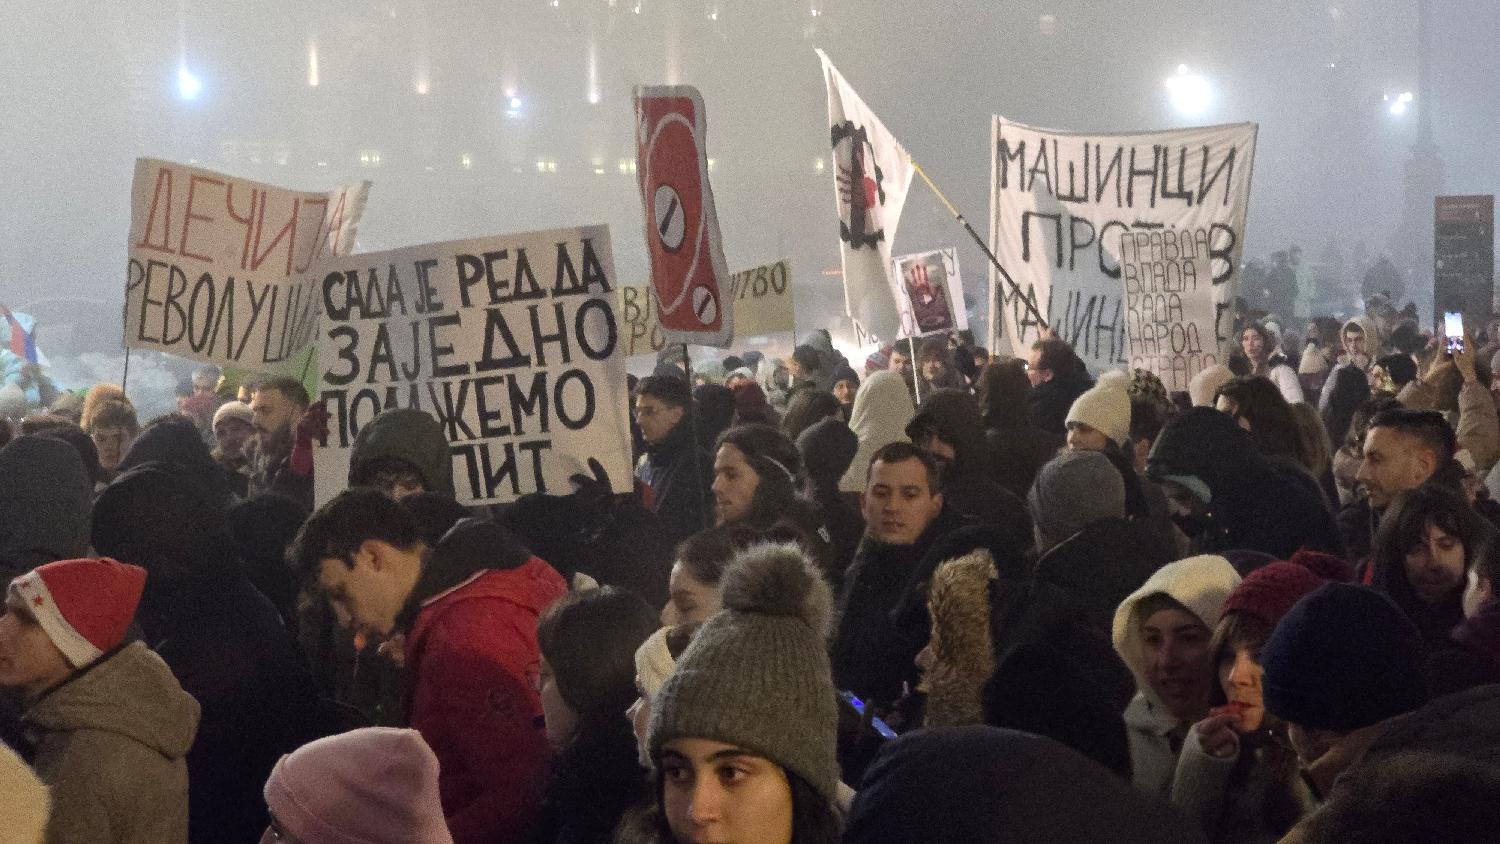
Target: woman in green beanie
{"type": "Point", "coordinates": [744, 732]}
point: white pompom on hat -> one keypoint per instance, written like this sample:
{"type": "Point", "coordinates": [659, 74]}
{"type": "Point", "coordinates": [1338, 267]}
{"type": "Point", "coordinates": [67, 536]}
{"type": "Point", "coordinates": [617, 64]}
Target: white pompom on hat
{"type": "Point", "coordinates": [1105, 407]}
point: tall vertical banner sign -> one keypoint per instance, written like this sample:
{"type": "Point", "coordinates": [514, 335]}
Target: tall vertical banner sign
{"type": "Point", "coordinates": [682, 227]}
{"type": "Point", "coordinates": [1128, 244]}
{"type": "Point", "coordinates": [218, 266]}
{"type": "Point", "coordinates": [872, 174]}
{"type": "Point", "coordinates": [932, 294]}
{"type": "Point", "coordinates": [1463, 278]}
{"type": "Point", "coordinates": [511, 342]}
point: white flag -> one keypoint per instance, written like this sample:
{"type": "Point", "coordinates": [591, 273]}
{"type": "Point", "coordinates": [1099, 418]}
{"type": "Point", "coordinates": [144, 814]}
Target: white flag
{"type": "Point", "coordinates": [872, 173]}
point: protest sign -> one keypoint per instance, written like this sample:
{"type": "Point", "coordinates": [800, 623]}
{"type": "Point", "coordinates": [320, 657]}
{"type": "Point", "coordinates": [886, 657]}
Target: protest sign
{"type": "Point", "coordinates": [932, 293]}
{"type": "Point", "coordinates": [1464, 256]}
{"type": "Point", "coordinates": [511, 342]}
{"type": "Point", "coordinates": [762, 305]}
{"type": "Point", "coordinates": [682, 227]}
{"type": "Point", "coordinates": [1129, 244]}
{"type": "Point", "coordinates": [217, 266]}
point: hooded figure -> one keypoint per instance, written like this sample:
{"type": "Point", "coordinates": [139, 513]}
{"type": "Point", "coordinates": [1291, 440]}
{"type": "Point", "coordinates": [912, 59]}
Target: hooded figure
{"type": "Point", "coordinates": [882, 410]}
{"type": "Point", "coordinates": [1240, 498]}
{"type": "Point", "coordinates": [174, 440]}
{"type": "Point", "coordinates": [221, 638]}
{"type": "Point", "coordinates": [1199, 586]}
{"type": "Point", "coordinates": [44, 504]}
{"type": "Point", "coordinates": [832, 359]}
{"type": "Point", "coordinates": [402, 440]}
{"type": "Point", "coordinates": [715, 405]}
{"type": "Point", "coordinates": [959, 657]}
{"type": "Point", "coordinates": [981, 785]}
{"type": "Point", "coordinates": [949, 422]}
{"type": "Point", "coordinates": [827, 449]}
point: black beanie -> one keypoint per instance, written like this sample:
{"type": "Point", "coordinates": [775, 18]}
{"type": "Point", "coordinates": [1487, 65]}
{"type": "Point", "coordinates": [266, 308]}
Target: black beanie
{"type": "Point", "coordinates": [1343, 658]}
{"type": "Point", "coordinates": [827, 448]}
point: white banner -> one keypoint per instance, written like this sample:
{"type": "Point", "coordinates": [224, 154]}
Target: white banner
{"type": "Point", "coordinates": [512, 342]}
{"type": "Point", "coordinates": [763, 305]}
{"type": "Point", "coordinates": [1128, 244]}
{"type": "Point", "coordinates": [872, 174]}
{"type": "Point", "coordinates": [932, 293]}
{"type": "Point", "coordinates": [217, 267]}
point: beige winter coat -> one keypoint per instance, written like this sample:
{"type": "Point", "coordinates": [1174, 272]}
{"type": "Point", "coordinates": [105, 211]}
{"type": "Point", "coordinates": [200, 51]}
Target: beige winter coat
{"type": "Point", "coordinates": [110, 743]}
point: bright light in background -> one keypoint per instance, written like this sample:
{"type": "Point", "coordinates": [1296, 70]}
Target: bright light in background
{"type": "Point", "coordinates": [312, 64]}
{"type": "Point", "coordinates": [1399, 103]}
{"type": "Point", "coordinates": [593, 72]}
{"type": "Point", "coordinates": [1191, 94]}
{"type": "Point", "coordinates": [513, 104]}
{"type": "Point", "coordinates": [189, 86]}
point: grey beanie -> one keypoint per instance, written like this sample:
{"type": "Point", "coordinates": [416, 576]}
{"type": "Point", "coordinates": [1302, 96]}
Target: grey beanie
{"type": "Point", "coordinates": [1074, 490]}
{"type": "Point", "coordinates": [756, 674]}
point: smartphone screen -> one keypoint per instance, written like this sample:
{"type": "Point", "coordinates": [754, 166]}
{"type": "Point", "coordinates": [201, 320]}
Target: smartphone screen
{"type": "Point", "coordinates": [1453, 332]}
{"type": "Point", "coordinates": [858, 705]}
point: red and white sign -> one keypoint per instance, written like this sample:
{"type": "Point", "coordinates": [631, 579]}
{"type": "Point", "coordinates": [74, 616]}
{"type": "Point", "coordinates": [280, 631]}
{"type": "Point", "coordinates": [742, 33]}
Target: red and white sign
{"type": "Point", "coordinates": [682, 228]}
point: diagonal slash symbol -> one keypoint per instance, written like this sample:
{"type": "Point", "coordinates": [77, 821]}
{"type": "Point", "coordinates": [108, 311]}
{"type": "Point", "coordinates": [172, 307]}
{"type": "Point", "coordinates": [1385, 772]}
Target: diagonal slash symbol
{"type": "Point", "coordinates": [666, 222]}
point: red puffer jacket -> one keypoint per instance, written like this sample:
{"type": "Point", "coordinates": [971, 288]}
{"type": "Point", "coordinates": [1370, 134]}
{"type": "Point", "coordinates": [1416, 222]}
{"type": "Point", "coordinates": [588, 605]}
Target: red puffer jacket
{"type": "Point", "coordinates": [472, 668]}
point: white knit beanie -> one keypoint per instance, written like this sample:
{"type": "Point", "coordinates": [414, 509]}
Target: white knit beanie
{"type": "Point", "coordinates": [1204, 388]}
{"type": "Point", "coordinates": [1105, 407]}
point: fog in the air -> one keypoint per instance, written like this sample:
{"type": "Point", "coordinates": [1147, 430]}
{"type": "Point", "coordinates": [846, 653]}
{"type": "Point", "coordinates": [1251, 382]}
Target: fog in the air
{"type": "Point", "coordinates": [475, 118]}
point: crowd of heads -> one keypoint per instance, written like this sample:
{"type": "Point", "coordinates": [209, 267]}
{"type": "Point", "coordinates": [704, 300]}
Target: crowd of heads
{"type": "Point", "coordinates": [950, 598]}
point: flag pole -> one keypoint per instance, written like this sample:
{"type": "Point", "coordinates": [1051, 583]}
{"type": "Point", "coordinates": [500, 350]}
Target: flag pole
{"type": "Point", "coordinates": [1014, 288]}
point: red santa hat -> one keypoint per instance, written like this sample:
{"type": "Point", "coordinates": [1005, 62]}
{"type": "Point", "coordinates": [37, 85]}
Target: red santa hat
{"type": "Point", "coordinates": [84, 606]}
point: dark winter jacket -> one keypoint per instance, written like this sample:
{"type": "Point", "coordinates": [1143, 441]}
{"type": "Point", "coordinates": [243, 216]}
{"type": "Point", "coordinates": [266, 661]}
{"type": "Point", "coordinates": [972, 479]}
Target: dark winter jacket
{"type": "Point", "coordinates": [1101, 565]}
{"type": "Point", "coordinates": [222, 639]}
{"type": "Point", "coordinates": [677, 475]}
{"type": "Point", "coordinates": [472, 665]}
{"type": "Point", "coordinates": [1465, 725]}
{"type": "Point", "coordinates": [1049, 402]}
{"type": "Point", "coordinates": [611, 538]}
{"type": "Point", "coordinates": [409, 435]}
{"type": "Point", "coordinates": [872, 653]}
{"type": "Point", "coordinates": [1018, 453]}
{"type": "Point", "coordinates": [1258, 503]}
{"type": "Point", "coordinates": [44, 504]}
{"type": "Point", "coordinates": [982, 785]}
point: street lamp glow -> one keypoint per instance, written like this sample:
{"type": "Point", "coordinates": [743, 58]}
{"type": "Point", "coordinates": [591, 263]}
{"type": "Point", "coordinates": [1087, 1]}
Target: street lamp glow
{"type": "Point", "coordinates": [1190, 93]}
{"type": "Point", "coordinates": [188, 85]}
{"type": "Point", "coordinates": [1400, 103]}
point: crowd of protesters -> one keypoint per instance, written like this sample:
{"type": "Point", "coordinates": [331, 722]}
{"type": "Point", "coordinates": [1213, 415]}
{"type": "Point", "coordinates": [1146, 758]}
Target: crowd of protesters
{"type": "Point", "coordinates": [949, 597]}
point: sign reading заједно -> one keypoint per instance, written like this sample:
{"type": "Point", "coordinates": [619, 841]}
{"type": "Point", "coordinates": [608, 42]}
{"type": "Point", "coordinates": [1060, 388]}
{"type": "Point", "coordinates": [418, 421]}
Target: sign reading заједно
{"type": "Point", "coordinates": [1128, 244]}
{"type": "Point", "coordinates": [510, 342]}
{"type": "Point", "coordinates": [217, 266]}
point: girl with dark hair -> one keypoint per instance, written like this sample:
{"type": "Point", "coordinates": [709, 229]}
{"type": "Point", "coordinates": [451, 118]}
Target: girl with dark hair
{"type": "Point", "coordinates": [1259, 408]}
{"type": "Point", "coordinates": [693, 591]}
{"type": "Point", "coordinates": [588, 642]}
{"type": "Point", "coordinates": [744, 733]}
{"type": "Point", "coordinates": [1423, 547]}
{"type": "Point", "coordinates": [1260, 346]}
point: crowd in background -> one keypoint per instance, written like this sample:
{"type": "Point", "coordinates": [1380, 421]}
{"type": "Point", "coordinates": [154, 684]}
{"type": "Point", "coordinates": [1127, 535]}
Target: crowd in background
{"type": "Point", "coordinates": [942, 596]}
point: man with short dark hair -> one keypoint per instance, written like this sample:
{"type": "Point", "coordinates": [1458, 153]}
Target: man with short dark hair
{"type": "Point", "coordinates": [1403, 449]}
{"type": "Point", "coordinates": [468, 609]}
{"type": "Point", "coordinates": [285, 427]}
{"type": "Point", "coordinates": [872, 656]}
{"type": "Point", "coordinates": [675, 473]}
{"type": "Point", "coordinates": [1058, 378]}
